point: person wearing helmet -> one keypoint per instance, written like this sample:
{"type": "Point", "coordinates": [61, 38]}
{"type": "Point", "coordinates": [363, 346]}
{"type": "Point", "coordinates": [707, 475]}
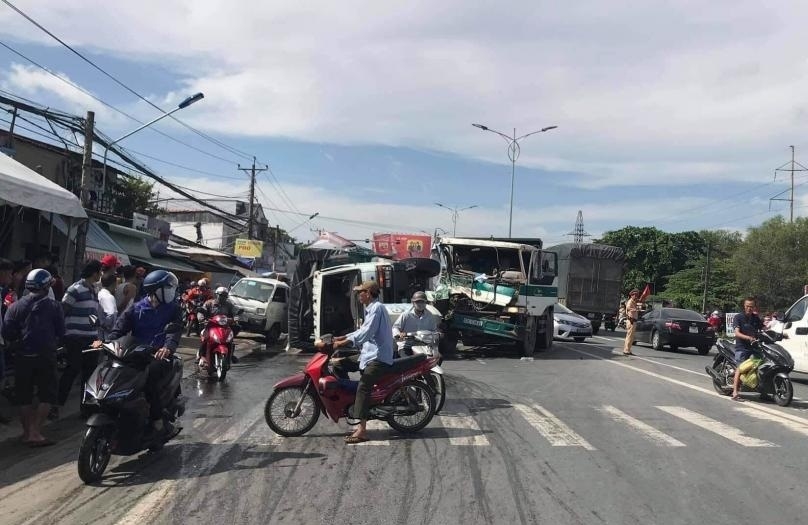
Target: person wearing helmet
{"type": "Point", "coordinates": [417, 317]}
{"type": "Point", "coordinates": [38, 322]}
{"type": "Point", "coordinates": [221, 305]}
{"type": "Point", "coordinates": [201, 292]}
{"type": "Point", "coordinates": [714, 320]}
{"type": "Point", "coordinates": [146, 320]}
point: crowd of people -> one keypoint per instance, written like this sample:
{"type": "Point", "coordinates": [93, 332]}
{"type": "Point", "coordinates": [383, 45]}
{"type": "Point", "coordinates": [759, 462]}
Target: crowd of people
{"type": "Point", "coordinates": [38, 314]}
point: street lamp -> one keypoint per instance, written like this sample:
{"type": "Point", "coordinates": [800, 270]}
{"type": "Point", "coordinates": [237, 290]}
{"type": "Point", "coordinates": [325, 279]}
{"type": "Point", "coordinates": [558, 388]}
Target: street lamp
{"type": "Point", "coordinates": [313, 215]}
{"type": "Point", "coordinates": [513, 154]}
{"type": "Point", "coordinates": [182, 105]}
{"type": "Point", "coordinates": [455, 212]}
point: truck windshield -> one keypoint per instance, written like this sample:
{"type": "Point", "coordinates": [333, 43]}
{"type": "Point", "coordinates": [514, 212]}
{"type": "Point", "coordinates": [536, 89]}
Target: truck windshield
{"type": "Point", "coordinates": [487, 260]}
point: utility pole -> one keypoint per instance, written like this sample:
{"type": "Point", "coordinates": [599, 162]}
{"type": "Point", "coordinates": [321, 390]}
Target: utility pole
{"type": "Point", "coordinates": [84, 192]}
{"type": "Point", "coordinates": [706, 277]}
{"type": "Point", "coordinates": [252, 171]}
{"type": "Point", "coordinates": [792, 167]}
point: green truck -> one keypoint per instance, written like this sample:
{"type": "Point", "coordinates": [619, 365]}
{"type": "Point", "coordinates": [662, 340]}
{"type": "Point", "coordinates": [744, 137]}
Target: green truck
{"type": "Point", "coordinates": [493, 291]}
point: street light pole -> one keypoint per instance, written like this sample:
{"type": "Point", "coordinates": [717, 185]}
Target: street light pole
{"type": "Point", "coordinates": [182, 105]}
{"type": "Point", "coordinates": [513, 154]}
{"type": "Point", "coordinates": [455, 211]}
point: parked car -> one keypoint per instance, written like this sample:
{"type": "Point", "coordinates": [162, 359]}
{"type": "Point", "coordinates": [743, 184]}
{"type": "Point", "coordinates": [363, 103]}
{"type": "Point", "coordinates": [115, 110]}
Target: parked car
{"type": "Point", "coordinates": [569, 325]}
{"type": "Point", "coordinates": [264, 302]}
{"type": "Point", "coordinates": [675, 327]}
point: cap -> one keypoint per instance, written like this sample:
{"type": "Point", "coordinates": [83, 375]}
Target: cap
{"type": "Point", "coordinates": [110, 261]}
{"type": "Point", "coordinates": [633, 292]}
{"type": "Point", "coordinates": [140, 271]}
{"type": "Point", "coordinates": [370, 286]}
{"type": "Point", "coordinates": [419, 296]}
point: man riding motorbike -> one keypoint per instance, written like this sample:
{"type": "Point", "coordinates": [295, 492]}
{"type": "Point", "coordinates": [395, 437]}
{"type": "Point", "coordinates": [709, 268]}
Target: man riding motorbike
{"type": "Point", "coordinates": [200, 292]}
{"type": "Point", "coordinates": [220, 306]}
{"type": "Point", "coordinates": [146, 320]}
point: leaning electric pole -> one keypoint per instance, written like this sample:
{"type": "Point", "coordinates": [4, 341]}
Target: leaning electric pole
{"type": "Point", "coordinates": [251, 214]}
{"type": "Point", "coordinates": [790, 167]}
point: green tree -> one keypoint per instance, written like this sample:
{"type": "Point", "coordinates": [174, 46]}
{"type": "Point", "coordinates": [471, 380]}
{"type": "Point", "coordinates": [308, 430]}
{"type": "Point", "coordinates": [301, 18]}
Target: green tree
{"type": "Point", "coordinates": [134, 194]}
{"type": "Point", "coordinates": [772, 263]}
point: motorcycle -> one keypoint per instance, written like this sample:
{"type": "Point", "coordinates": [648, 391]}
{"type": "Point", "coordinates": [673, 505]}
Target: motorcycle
{"type": "Point", "coordinates": [119, 421]}
{"type": "Point", "coordinates": [217, 347]}
{"type": "Point", "coordinates": [195, 316]}
{"type": "Point", "coordinates": [399, 398]}
{"type": "Point", "coordinates": [771, 374]}
{"type": "Point", "coordinates": [609, 322]}
{"type": "Point", "coordinates": [426, 342]}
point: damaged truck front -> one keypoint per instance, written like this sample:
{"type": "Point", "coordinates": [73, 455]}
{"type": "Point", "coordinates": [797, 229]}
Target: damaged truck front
{"type": "Point", "coordinates": [493, 291]}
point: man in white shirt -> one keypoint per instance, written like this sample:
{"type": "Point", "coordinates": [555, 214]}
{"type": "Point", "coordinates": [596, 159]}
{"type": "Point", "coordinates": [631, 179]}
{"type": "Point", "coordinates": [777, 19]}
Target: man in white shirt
{"type": "Point", "coordinates": [107, 305]}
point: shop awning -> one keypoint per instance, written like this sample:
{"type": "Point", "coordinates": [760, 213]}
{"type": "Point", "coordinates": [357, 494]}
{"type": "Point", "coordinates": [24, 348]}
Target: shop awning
{"type": "Point", "coordinates": [167, 263]}
{"type": "Point", "coordinates": [22, 186]}
{"type": "Point", "coordinates": [100, 244]}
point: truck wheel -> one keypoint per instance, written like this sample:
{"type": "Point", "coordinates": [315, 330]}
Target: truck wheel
{"type": "Point", "coordinates": [272, 335]}
{"type": "Point", "coordinates": [595, 329]}
{"type": "Point", "coordinates": [545, 339]}
{"type": "Point", "coordinates": [531, 335]}
{"type": "Point", "coordinates": [447, 345]}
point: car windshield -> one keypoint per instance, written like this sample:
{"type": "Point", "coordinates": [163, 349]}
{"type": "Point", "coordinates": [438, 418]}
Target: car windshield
{"type": "Point", "coordinates": [687, 315]}
{"type": "Point", "coordinates": [255, 290]}
{"type": "Point", "coordinates": [561, 309]}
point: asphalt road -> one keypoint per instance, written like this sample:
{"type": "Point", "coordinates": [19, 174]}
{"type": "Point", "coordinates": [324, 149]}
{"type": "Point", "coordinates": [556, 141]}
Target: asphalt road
{"type": "Point", "coordinates": [580, 435]}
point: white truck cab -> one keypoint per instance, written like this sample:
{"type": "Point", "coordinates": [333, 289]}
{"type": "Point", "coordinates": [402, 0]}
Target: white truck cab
{"type": "Point", "coordinates": [795, 329]}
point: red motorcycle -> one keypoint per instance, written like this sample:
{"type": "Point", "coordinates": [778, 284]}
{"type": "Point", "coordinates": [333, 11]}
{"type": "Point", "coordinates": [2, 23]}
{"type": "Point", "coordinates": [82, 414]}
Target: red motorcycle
{"type": "Point", "coordinates": [195, 315]}
{"type": "Point", "coordinates": [402, 397]}
{"type": "Point", "coordinates": [217, 347]}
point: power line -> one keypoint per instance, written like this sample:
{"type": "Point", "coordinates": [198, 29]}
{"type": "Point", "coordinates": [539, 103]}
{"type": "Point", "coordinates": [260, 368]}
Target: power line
{"type": "Point", "coordinates": [282, 191]}
{"type": "Point", "coordinates": [123, 85]}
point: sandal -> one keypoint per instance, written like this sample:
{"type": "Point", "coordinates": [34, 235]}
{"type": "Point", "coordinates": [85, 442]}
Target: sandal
{"type": "Point", "coordinates": [355, 440]}
{"type": "Point", "coordinates": [738, 399]}
{"type": "Point", "coordinates": [627, 353]}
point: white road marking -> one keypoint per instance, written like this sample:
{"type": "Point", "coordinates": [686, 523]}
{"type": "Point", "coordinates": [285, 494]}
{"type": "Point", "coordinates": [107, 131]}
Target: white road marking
{"type": "Point", "coordinates": [552, 428]}
{"type": "Point", "coordinates": [198, 422]}
{"type": "Point", "coordinates": [463, 430]}
{"type": "Point", "coordinates": [657, 436]}
{"type": "Point", "coordinates": [707, 391]}
{"type": "Point", "coordinates": [376, 427]}
{"type": "Point", "coordinates": [717, 427]}
{"type": "Point", "coordinates": [480, 361]}
{"type": "Point", "coordinates": [148, 507]}
{"type": "Point", "coordinates": [791, 425]}
{"type": "Point", "coordinates": [607, 339]}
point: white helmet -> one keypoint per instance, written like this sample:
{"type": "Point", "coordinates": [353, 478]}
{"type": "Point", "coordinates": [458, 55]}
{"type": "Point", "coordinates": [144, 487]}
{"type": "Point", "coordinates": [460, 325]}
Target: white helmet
{"type": "Point", "coordinates": [716, 313]}
{"type": "Point", "coordinates": [221, 290]}
{"type": "Point", "coordinates": [202, 282]}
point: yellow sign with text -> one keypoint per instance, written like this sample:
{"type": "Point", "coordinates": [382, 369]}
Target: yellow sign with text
{"type": "Point", "coordinates": [248, 248]}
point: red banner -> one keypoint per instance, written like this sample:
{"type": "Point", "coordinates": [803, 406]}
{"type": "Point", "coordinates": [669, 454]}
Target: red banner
{"type": "Point", "coordinates": [402, 245]}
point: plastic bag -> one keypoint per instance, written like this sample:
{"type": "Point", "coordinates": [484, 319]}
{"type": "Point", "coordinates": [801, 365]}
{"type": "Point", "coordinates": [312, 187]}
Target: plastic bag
{"type": "Point", "coordinates": [750, 365]}
{"type": "Point", "coordinates": [750, 380]}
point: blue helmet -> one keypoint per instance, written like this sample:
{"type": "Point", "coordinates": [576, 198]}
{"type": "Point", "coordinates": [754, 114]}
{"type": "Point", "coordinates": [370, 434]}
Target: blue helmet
{"type": "Point", "coordinates": [38, 280]}
{"type": "Point", "coordinates": [162, 284]}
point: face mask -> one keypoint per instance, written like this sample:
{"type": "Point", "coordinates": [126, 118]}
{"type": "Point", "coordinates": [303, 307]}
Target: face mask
{"type": "Point", "coordinates": [419, 307]}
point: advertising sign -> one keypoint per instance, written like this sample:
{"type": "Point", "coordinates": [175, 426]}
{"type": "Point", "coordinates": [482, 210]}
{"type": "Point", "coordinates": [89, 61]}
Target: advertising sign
{"type": "Point", "coordinates": [402, 245]}
{"type": "Point", "coordinates": [248, 248]}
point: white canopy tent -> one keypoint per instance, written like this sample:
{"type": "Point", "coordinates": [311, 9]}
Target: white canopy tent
{"type": "Point", "coordinates": [21, 186]}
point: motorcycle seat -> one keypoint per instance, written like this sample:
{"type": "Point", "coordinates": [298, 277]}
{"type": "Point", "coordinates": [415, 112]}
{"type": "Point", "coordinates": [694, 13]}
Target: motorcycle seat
{"type": "Point", "coordinates": [405, 363]}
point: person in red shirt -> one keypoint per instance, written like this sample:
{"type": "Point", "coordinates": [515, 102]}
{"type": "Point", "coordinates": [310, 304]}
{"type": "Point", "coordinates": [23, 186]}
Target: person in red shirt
{"type": "Point", "coordinates": [202, 292]}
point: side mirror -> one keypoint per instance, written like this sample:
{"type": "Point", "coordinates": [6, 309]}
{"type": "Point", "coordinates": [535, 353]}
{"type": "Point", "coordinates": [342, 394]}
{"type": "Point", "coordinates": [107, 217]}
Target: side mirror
{"type": "Point", "coordinates": [93, 320]}
{"type": "Point", "coordinates": [787, 325]}
{"type": "Point", "coordinates": [173, 328]}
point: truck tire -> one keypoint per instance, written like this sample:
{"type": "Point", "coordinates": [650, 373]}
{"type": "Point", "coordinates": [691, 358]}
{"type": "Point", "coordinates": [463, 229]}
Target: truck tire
{"type": "Point", "coordinates": [545, 337]}
{"type": "Point", "coordinates": [595, 329]}
{"type": "Point", "coordinates": [447, 345]}
{"type": "Point", "coordinates": [529, 342]}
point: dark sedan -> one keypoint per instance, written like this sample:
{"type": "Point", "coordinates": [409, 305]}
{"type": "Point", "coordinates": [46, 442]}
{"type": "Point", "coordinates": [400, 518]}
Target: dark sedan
{"type": "Point", "coordinates": [676, 328]}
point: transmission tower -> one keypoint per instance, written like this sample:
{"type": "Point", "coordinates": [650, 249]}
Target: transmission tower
{"type": "Point", "coordinates": [790, 167]}
{"type": "Point", "coordinates": [578, 232]}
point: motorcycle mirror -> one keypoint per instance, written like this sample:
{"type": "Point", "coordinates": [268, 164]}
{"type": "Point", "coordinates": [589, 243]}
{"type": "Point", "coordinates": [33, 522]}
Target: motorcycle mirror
{"type": "Point", "coordinates": [93, 320]}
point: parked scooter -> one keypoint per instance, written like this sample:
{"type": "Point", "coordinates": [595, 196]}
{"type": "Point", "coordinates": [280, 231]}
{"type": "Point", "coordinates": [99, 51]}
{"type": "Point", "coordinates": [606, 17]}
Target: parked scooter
{"type": "Point", "coordinates": [772, 373]}
{"type": "Point", "coordinates": [217, 347]}
{"type": "Point", "coordinates": [426, 342]}
{"type": "Point", "coordinates": [119, 423]}
{"type": "Point", "coordinates": [609, 322]}
{"type": "Point", "coordinates": [406, 403]}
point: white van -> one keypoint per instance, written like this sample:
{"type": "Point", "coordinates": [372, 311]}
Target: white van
{"type": "Point", "coordinates": [264, 302]}
{"type": "Point", "coordinates": [795, 330]}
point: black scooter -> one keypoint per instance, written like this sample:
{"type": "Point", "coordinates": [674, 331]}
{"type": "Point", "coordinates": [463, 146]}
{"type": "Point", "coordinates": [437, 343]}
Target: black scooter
{"type": "Point", "coordinates": [115, 397]}
{"type": "Point", "coordinates": [772, 373]}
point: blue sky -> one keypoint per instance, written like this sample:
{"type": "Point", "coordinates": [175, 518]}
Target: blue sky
{"type": "Point", "coordinates": [668, 116]}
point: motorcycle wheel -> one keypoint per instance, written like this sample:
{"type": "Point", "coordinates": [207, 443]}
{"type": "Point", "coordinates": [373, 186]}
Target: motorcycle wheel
{"type": "Point", "coordinates": [783, 391]}
{"type": "Point", "coordinates": [188, 326]}
{"type": "Point", "coordinates": [716, 383]}
{"type": "Point", "coordinates": [94, 455]}
{"type": "Point", "coordinates": [438, 386]}
{"type": "Point", "coordinates": [279, 411]}
{"type": "Point", "coordinates": [221, 371]}
{"type": "Point", "coordinates": [414, 392]}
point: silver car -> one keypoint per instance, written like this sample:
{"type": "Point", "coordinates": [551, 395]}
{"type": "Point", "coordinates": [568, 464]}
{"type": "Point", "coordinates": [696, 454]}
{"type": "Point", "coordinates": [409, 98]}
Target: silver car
{"type": "Point", "coordinates": [569, 325]}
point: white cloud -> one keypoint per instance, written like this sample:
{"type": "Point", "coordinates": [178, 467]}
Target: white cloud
{"type": "Point", "coordinates": [642, 93]}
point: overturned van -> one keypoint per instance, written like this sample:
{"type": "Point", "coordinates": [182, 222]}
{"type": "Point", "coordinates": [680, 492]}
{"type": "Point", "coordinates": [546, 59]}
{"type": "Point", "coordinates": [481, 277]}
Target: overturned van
{"type": "Point", "coordinates": [323, 302]}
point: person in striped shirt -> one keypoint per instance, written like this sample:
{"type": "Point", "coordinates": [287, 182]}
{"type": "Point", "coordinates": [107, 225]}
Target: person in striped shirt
{"type": "Point", "coordinates": [79, 302]}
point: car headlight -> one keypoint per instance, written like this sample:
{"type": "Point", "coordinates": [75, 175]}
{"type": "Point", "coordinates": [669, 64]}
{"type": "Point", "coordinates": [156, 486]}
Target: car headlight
{"type": "Point", "coordinates": [260, 311]}
{"type": "Point", "coordinates": [556, 319]}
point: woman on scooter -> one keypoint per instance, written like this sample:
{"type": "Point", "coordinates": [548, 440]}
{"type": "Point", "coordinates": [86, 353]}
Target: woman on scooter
{"type": "Point", "coordinates": [375, 336]}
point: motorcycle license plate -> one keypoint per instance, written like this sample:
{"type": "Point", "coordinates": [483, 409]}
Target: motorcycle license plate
{"type": "Point", "coordinates": [694, 329]}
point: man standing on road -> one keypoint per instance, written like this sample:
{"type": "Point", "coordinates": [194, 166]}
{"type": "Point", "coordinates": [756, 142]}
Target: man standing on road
{"type": "Point", "coordinates": [631, 319]}
{"type": "Point", "coordinates": [375, 336]}
{"type": "Point", "coordinates": [746, 324]}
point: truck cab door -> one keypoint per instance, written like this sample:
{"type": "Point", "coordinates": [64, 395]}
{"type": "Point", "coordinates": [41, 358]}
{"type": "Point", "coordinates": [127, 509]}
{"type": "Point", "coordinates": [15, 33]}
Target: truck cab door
{"type": "Point", "coordinates": [795, 332]}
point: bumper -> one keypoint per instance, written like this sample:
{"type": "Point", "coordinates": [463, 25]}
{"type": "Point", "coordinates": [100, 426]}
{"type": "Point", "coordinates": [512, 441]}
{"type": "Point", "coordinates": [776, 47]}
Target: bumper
{"type": "Point", "coordinates": [689, 340]}
{"type": "Point", "coordinates": [252, 323]}
{"type": "Point", "coordinates": [569, 332]}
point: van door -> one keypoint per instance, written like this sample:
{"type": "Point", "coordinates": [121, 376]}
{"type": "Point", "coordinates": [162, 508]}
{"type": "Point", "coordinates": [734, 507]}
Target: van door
{"type": "Point", "coordinates": [796, 341]}
{"type": "Point", "coordinates": [277, 312]}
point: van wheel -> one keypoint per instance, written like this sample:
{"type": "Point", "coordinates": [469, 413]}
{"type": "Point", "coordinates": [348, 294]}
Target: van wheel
{"type": "Point", "coordinates": [273, 335]}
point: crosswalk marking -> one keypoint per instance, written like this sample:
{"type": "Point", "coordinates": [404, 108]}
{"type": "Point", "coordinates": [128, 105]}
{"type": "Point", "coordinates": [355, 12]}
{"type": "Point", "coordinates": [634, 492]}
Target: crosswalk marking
{"type": "Point", "coordinates": [552, 428]}
{"type": "Point", "coordinates": [463, 430]}
{"type": "Point", "coordinates": [657, 436]}
{"type": "Point", "coordinates": [376, 427]}
{"type": "Point", "coordinates": [791, 425]}
{"type": "Point", "coordinates": [723, 430]}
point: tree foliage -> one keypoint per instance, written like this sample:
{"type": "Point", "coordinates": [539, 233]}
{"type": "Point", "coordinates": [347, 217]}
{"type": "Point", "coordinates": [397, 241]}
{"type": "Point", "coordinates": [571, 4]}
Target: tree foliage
{"type": "Point", "coordinates": [135, 194]}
